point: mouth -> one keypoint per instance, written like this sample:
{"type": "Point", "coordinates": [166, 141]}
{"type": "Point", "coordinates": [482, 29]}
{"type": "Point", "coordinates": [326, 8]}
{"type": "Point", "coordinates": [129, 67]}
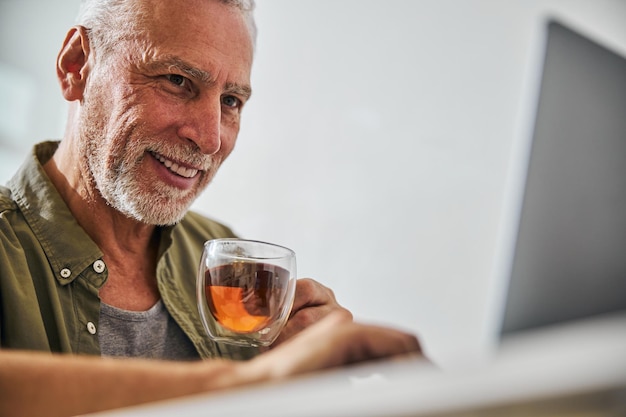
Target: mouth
{"type": "Point", "coordinates": [175, 167]}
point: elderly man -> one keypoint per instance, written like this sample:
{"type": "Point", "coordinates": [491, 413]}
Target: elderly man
{"type": "Point", "coordinates": [99, 249]}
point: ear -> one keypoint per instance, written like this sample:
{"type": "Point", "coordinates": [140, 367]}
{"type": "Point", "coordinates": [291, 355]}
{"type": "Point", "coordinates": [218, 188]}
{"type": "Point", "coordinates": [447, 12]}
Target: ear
{"type": "Point", "coordinates": [72, 63]}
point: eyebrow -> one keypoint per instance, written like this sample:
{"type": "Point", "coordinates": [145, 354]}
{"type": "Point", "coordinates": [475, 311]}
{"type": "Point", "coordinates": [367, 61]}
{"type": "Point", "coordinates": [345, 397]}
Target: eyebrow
{"type": "Point", "coordinates": [241, 90]}
{"type": "Point", "coordinates": [170, 62]}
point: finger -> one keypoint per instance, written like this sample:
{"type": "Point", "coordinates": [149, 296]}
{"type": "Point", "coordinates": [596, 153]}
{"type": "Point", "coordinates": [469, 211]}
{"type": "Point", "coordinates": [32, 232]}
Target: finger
{"type": "Point", "coordinates": [305, 318]}
{"type": "Point", "coordinates": [311, 293]}
{"type": "Point", "coordinates": [335, 341]}
{"type": "Point", "coordinates": [363, 341]}
{"type": "Point", "coordinates": [313, 301]}
{"type": "Point", "coordinates": [368, 344]}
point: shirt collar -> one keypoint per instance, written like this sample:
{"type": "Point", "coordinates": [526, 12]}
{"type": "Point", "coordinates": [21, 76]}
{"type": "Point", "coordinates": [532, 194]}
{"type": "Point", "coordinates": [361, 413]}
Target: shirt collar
{"type": "Point", "coordinates": [68, 248]}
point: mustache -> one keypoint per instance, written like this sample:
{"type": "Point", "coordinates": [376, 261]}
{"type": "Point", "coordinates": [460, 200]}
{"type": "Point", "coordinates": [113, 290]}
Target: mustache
{"type": "Point", "coordinates": [189, 156]}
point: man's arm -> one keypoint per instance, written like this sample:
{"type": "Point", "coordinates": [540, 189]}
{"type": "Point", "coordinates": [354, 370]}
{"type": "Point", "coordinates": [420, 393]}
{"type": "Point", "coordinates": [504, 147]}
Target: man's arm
{"type": "Point", "coordinates": [38, 384]}
{"type": "Point", "coordinates": [62, 385]}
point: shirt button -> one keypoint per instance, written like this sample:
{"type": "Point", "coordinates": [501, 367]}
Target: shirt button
{"type": "Point", "coordinates": [65, 273]}
{"type": "Point", "coordinates": [91, 328]}
{"type": "Point", "coordinates": [99, 266]}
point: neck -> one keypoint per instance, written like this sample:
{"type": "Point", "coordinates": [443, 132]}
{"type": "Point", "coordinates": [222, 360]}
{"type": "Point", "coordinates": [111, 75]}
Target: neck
{"type": "Point", "coordinates": [129, 247]}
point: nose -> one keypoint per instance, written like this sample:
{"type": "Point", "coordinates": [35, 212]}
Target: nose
{"type": "Point", "coordinates": [201, 124]}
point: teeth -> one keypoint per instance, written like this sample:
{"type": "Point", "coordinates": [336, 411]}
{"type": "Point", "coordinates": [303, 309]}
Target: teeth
{"type": "Point", "coordinates": [175, 168]}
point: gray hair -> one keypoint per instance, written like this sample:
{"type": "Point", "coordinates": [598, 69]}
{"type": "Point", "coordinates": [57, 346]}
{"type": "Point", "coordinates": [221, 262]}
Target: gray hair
{"type": "Point", "coordinates": [109, 21]}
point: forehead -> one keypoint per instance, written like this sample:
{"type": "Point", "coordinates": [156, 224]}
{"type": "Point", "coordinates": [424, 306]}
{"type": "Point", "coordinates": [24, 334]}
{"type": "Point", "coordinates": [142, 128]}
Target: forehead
{"type": "Point", "coordinates": [211, 35]}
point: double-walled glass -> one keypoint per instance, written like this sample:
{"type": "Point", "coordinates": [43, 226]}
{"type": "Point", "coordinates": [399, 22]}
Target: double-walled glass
{"type": "Point", "coordinates": [245, 290]}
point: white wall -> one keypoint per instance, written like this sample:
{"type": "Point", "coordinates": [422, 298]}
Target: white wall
{"type": "Point", "coordinates": [376, 144]}
{"type": "Point", "coordinates": [31, 106]}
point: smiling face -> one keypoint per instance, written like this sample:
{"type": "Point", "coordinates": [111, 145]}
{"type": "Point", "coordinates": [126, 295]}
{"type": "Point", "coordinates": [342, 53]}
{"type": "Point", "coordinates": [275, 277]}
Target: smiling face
{"type": "Point", "coordinates": [162, 111]}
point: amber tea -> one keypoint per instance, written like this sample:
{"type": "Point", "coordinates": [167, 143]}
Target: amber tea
{"type": "Point", "coordinates": [243, 296]}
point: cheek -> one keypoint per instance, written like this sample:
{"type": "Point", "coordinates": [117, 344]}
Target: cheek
{"type": "Point", "coordinates": [228, 136]}
{"type": "Point", "coordinates": [159, 112]}
{"type": "Point", "coordinates": [138, 105]}
{"type": "Point", "coordinates": [227, 146]}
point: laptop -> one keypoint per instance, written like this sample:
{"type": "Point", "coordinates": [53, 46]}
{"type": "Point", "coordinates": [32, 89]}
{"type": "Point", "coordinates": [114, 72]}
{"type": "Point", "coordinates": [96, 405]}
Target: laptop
{"type": "Point", "coordinates": [563, 260]}
{"type": "Point", "coordinates": [569, 260]}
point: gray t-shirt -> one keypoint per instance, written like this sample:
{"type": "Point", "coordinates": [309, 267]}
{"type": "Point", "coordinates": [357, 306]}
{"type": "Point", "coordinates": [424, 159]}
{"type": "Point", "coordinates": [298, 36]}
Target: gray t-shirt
{"type": "Point", "coordinates": [148, 334]}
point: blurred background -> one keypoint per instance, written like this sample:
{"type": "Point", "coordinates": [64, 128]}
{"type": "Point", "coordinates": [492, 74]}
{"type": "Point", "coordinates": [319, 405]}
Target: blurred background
{"type": "Point", "coordinates": [376, 145]}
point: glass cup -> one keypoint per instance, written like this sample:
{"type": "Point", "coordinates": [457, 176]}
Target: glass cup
{"type": "Point", "coordinates": [245, 290]}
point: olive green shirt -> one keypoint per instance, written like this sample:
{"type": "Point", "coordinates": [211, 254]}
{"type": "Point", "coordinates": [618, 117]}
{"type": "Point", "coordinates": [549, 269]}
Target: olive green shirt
{"type": "Point", "coordinates": [51, 270]}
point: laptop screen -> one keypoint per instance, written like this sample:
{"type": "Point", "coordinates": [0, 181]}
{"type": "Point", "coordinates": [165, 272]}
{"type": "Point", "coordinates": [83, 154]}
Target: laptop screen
{"type": "Point", "coordinates": [570, 254]}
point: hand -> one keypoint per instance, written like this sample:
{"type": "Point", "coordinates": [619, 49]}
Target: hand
{"type": "Point", "coordinates": [335, 340]}
{"type": "Point", "coordinates": [312, 302]}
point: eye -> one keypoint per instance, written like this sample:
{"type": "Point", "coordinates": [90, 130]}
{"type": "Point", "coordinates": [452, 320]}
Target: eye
{"type": "Point", "coordinates": [178, 80]}
{"type": "Point", "coordinates": [231, 101]}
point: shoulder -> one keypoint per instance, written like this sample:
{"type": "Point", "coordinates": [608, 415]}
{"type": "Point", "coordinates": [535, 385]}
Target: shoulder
{"type": "Point", "coordinates": [189, 235]}
{"type": "Point", "coordinates": [6, 201]}
{"type": "Point", "coordinates": [12, 224]}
